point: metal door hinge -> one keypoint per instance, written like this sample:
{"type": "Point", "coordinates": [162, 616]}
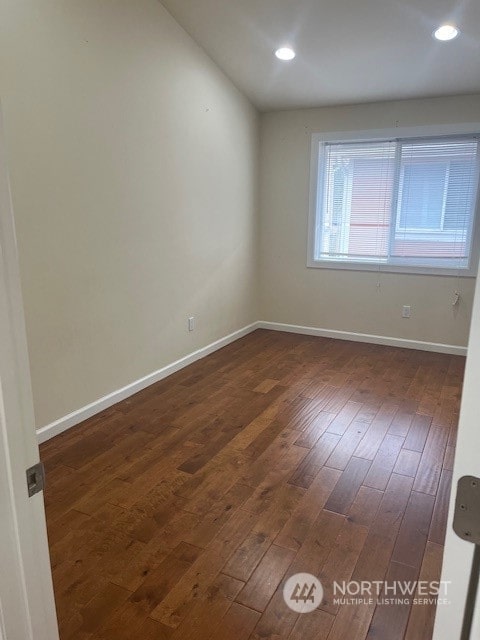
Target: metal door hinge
{"type": "Point", "coordinates": [35, 479]}
{"type": "Point", "coordinates": [466, 518]}
{"type": "Point", "coordinates": [466, 524]}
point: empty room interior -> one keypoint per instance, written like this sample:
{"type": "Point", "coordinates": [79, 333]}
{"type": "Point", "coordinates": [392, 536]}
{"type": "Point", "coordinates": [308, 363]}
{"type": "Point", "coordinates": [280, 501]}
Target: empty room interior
{"type": "Point", "coordinates": [247, 245]}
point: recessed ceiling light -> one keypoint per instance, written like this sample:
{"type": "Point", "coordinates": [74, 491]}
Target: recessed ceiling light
{"type": "Point", "coordinates": [446, 32]}
{"type": "Point", "coordinates": [285, 53]}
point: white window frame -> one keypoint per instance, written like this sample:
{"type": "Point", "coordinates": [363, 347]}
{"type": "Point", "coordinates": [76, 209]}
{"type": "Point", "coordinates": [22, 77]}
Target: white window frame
{"type": "Point", "coordinates": [372, 135]}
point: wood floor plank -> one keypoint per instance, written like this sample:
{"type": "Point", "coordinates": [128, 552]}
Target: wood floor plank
{"type": "Point", "coordinates": [268, 489]}
{"type": "Point", "coordinates": [430, 467]}
{"type": "Point", "coordinates": [402, 421]}
{"type": "Point", "coordinates": [103, 604]}
{"type": "Point", "coordinates": [420, 623]}
{"type": "Point", "coordinates": [386, 523]}
{"type": "Point", "coordinates": [237, 624]}
{"type": "Point", "coordinates": [208, 610]}
{"type": "Point", "coordinates": [180, 512]}
{"type": "Point", "coordinates": [353, 621]}
{"type": "Point", "coordinates": [158, 584]}
{"type": "Point", "coordinates": [155, 587]}
{"type": "Point", "coordinates": [371, 441]}
{"type": "Point", "coordinates": [265, 579]}
{"type": "Point", "coordinates": [379, 473]}
{"type": "Point", "coordinates": [342, 453]}
{"type": "Point", "coordinates": [248, 554]}
{"type": "Point", "coordinates": [365, 506]}
{"type": "Point", "coordinates": [295, 530]}
{"type": "Point", "coordinates": [173, 609]}
{"type": "Point", "coordinates": [315, 430]}
{"type": "Point", "coordinates": [306, 472]}
{"type": "Point", "coordinates": [418, 432]}
{"type": "Point", "coordinates": [208, 526]}
{"type": "Point", "coordinates": [391, 621]}
{"type": "Point", "coordinates": [449, 457]}
{"type": "Point", "coordinates": [438, 525]}
{"type": "Point", "coordinates": [153, 630]}
{"type": "Point", "coordinates": [277, 621]}
{"type": "Point", "coordinates": [344, 418]}
{"type": "Point", "coordinates": [347, 487]}
{"type": "Point", "coordinates": [341, 561]}
{"type": "Point", "coordinates": [314, 626]}
{"type": "Point", "coordinates": [407, 463]}
{"type": "Point", "coordinates": [412, 537]}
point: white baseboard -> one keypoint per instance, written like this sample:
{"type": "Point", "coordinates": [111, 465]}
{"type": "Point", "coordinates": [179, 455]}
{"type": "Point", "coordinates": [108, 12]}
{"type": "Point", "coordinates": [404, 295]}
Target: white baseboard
{"type": "Point", "coordinates": [74, 418]}
{"type": "Point", "coordinates": [365, 337]}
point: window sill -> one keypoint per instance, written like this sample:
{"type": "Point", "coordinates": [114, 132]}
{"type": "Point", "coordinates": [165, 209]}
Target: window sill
{"type": "Point", "coordinates": [392, 268]}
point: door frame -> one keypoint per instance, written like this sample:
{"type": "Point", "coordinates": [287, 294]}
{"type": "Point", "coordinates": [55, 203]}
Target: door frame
{"type": "Point", "coordinates": [18, 445]}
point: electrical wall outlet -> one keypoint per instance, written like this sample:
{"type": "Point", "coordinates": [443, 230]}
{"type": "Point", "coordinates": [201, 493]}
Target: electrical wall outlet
{"type": "Point", "coordinates": [191, 323]}
{"type": "Point", "coordinates": [406, 311]}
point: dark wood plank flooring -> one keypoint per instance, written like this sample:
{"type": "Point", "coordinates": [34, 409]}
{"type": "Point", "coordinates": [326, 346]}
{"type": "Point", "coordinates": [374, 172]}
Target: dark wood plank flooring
{"type": "Point", "coordinates": [180, 512]}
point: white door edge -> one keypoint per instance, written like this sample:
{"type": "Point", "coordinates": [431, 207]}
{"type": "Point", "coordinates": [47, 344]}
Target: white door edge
{"type": "Point", "coordinates": [24, 538]}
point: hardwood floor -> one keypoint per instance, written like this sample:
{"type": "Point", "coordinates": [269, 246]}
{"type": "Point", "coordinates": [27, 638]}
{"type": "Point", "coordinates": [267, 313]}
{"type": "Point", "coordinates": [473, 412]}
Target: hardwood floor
{"type": "Point", "coordinates": [180, 512]}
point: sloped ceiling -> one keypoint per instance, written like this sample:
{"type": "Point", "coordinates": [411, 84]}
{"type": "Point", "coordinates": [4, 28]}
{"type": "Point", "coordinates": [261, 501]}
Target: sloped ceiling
{"type": "Point", "coordinates": [348, 51]}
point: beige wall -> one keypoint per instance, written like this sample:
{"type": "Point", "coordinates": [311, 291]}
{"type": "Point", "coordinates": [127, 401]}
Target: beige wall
{"type": "Point", "coordinates": [347, 300]}
{"type": "Point", "coordinates": [133, 166]}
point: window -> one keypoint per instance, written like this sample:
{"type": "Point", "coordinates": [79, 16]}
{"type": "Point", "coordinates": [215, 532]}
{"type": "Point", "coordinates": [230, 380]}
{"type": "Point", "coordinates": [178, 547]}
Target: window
{"type": "Point", "coordinates": [405, 204]}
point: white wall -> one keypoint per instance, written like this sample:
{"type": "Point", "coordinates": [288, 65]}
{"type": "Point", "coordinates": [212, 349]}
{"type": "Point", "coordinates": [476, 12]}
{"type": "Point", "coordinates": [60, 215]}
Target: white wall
{"type": "Point", "coordinates": [354, 301]}
{"type": "Point", "coordinates": [133, 165]}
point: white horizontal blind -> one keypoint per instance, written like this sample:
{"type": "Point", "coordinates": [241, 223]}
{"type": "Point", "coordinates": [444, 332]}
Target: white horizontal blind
{"type": "Point", "coordinates": [436, 199]}
{"type": "Point", "coordinates": [401, 202]}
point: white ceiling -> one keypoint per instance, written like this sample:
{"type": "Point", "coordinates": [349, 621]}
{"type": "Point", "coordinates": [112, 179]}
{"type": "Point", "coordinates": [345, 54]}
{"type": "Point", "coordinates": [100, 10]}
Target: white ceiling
{"type": "Point", "coordinates": [348, 51]}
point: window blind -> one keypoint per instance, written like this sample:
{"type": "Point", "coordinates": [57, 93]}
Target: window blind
{"type": "Point", "coordinates": [402, 202]}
